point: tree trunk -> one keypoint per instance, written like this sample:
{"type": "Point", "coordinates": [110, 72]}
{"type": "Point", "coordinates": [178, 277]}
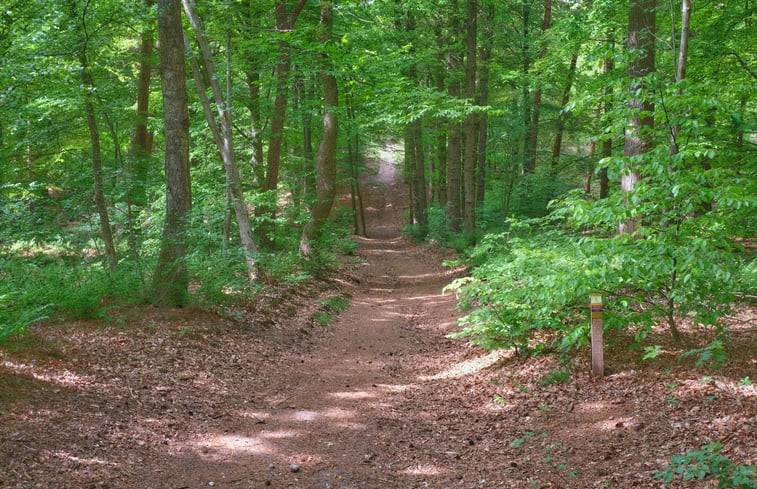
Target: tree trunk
{"type": "Point", "coordinates": [325, 160]}
{"type": "Point", "coordinates": [526, 90]}
{"type": "Point", "coordinates": [420, 200]}
{"type": "Point", "coordinates": [285, 22]}
{"type": "Point", "coordinates": [454, 164]}
{"type": "Point", "coordinates": [256, 127]}
{"type": "Point", "coordinates": [97, 166]}
{"type": "Point", "coordinates": [557, 148]}
{"type": "Point", "coordinates": [683, 54]}
{"type": "Point", "coordinates": [638, 135]}
{"type": "Point", "coordinates": [224, 140]}
{"type": "Point", "coordinates": [470, 126]}
{"type": "Point", "coordinates": [171, 279]}
{"type": "Point", "coordinates": [483, 100]}
{"type": "Point", "coordinates": [532, 135]}
{"type": "Point", "coordinates": [142, 144]}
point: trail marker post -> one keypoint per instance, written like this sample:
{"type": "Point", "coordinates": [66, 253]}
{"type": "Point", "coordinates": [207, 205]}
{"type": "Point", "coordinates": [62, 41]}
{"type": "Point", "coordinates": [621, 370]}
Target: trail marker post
{"type": "Point", "coordinates": [597, 341]}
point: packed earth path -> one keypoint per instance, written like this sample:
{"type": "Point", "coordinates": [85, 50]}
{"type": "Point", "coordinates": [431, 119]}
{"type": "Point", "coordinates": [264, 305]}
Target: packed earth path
{"type": "Point", "coordinates": [262, 395]}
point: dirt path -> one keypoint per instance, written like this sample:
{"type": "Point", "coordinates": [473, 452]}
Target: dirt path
{"type": "Point", "coordinates": [338, 417]}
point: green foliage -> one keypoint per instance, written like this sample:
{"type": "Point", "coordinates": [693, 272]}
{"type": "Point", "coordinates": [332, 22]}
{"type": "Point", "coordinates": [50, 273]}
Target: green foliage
{"type": "Point", "coordinates": [559, 376]}
{"type": "Point", "coordinates": [330, 307]}
{"type": "Point", "coordinates": [708, 462]}
{"type": "Point", "coordinates": [713, 355]}
{"type": "Point", "coordinates": [37, 287]}
{"type": "Point", "coordinates": [522, 285]}
{"type": "Point", "coordinates": [337, 304]}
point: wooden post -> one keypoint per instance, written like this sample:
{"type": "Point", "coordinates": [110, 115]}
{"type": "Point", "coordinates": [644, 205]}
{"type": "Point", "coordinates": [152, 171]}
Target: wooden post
{"type": "Point", "coordinates": [597, 342]}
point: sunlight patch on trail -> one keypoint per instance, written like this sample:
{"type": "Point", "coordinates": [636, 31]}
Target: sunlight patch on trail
{"type": "Point", "coordinates": [467, 367]}
{"type": "Point", "coordinates": [425, 469]}
{"type": "Point", "coordinates": [64, 378]}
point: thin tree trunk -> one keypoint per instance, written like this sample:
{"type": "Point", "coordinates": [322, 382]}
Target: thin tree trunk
{"type": "Point", "coordinates": [638, 137]}
{"type": "Point", "coordinates": [97, 167]}
{"type": "Point", "coordinates": [532, 135]}
{"type": "Point", "coordinates": [683, 54]}
{"type": "Point", "coordinates": [470, 125]}
{"type": "Point", "coordinates": [526, 91]}
{"type": "Point", "coordinates": [557, 148]}
{"type": "Point", "coordinates": [171, 278]}
{"type": "Point", "coordinates": [224, 140]}
{"type": "Point", "coordinates": [325, 160]}
{"type": "Point", "coordinates": [483, 100]}
{"type": "Point", "coordinates": [285, 22]}
{"type": "Point", "coordinates": [440, 187]}
{"type": "Point", "coordinates": [454, 164]}
{"type": "Point", "coordinates": [141, 145]}
{"type": "Point", "coordinates": [604, 180]}
{"type": "Point", "coordinates": [307, 140]}
{"type": "Point", "coordinates": [420, 201]}
{"type": "Point", "coordinates": [256, 128]}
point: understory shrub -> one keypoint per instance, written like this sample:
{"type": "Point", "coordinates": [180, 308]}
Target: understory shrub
{"type": "Point", "coordinates": [707, 463]}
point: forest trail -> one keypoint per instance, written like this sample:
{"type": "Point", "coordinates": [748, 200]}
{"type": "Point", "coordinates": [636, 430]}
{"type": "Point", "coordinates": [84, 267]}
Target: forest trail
{"type": "Point", "coordinates": [345, 413]}
{"type": "Point", "coordinates": [379, 398]}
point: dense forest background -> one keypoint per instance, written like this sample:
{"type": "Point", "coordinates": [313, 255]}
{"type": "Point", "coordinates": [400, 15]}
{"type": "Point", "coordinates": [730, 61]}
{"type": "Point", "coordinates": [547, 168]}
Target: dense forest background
{"type": "Point", "coordinates": [173, 152]}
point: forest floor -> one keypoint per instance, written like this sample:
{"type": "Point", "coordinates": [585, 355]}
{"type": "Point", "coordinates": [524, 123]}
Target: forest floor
{"type": "Point", "coordinates": [263, 396]}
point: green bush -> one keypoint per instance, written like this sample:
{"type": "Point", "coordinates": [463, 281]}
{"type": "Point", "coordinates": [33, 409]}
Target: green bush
{"type": "Point", "coordinates": [522, 285]}
{"type": "Point", "coordinates": [707, 463]}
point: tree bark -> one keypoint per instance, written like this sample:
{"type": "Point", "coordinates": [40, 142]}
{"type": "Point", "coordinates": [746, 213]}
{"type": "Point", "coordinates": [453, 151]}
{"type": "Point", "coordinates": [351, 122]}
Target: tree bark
{"type": "Point", "coordinates": [526, 91]}
{"type": "Point", "coordinates": [483, 100]}
{"type": "Point", "coordinates": [638, 134]}
{"type": "Point", "coordinates": [141, 147]}
{"type": "Point", "coordinates": [470, 125]}
{"type": "Point", "coordinates": [171, 278]}
{"type": "Point", "coordinates": [97, 166]}
{"type": "Point", "coordinates": [88, 84]}
{"type": "Point", "coordinates": [325, 160]}
{"type": "Point", "coordinates": [532, 135]}
{"type": "Point", "coordinates": [420, 200]}
{"type": "Point", "coordinates": [256, 128]}
{"type": "Point", "coordinates": [683, 54]}
{"type": "Point", "coordinates": [224, 140]}
{"type": "Point", "coordinates": [285, 22]}
{"type": "Point", "coordinates": [557, 147]}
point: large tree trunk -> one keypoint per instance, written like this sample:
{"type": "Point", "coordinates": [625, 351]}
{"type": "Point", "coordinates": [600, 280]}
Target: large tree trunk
{"type": "Point", "coordinates": [638, 135]}
{"type": "Point", "coordinates": [224, 140]}
{"type": "Point", "coordinates": [470, 125]}
{"type": "Point", "coordinates": [325, 160]}
{"type": "Point", "coordinates": [171, 279]}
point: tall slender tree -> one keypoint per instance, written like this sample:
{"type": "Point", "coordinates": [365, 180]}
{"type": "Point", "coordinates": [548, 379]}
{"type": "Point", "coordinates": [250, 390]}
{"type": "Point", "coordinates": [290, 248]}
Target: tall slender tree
{"type": "Point", "coordinates": [79, 15]}
{"type": "Point", "coordinates": [639, 132]}
{"type": "Point", "coordinates": [325, 160]}
{"type": "Point", "coordinates": [470, 127]}
{"type": "Point", "coordinates": [171, 278]}
{"type": "Point", "coordinates": [224, 139]}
